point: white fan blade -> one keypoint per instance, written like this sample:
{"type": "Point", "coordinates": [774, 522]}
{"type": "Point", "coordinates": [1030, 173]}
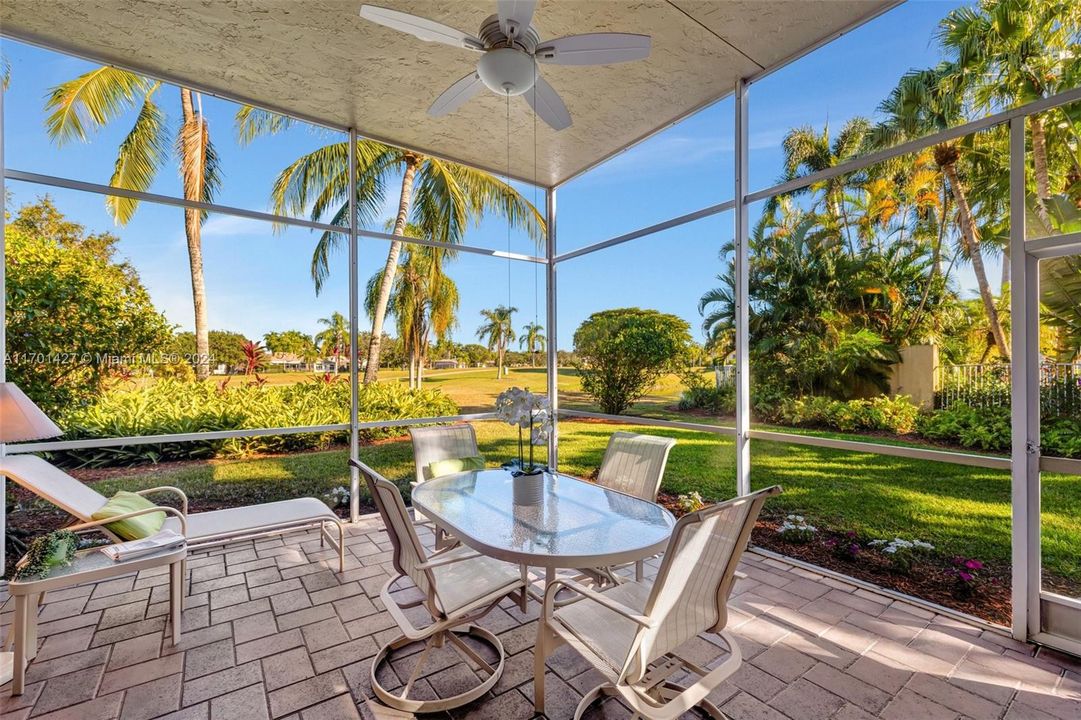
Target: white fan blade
{"type": "Point", "coordinates": [546, 102]}
{"type": "Point", "coordinates": [426, 30]}
{"type": "Point", "coordinates": [515, 16]}
{"type": "Point", "coordinates": [594, 49]}
{"type": "Point", "coordinates": [456, 95]}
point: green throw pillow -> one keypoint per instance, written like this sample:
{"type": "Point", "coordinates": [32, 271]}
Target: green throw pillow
{"type": "Point", "coordinates": [439, 468]}
{"type": "Point", "coordinates": [132, 528]}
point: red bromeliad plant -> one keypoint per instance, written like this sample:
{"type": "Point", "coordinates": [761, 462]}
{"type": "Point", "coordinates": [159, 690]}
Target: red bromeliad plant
{"type": "Point", "coordinates": [254, 356]}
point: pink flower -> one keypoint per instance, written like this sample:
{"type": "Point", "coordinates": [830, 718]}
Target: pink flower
{"type": "Point", "coordinates": [974, 565]}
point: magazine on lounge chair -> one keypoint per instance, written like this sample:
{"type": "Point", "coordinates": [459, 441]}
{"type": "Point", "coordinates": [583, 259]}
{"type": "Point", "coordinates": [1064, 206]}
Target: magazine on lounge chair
{"type": "Point", "coordinates": [145, 546]}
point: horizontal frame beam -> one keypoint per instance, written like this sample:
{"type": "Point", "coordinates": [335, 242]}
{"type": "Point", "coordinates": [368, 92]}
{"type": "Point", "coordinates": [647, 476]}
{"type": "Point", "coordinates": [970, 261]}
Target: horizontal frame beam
{"type": "Point", "coordinates": [656, 422]}
{"type": "Point", "coordinates": [918, 144]}
{"type": "Point", "coordinates": [990, 462]}
{"type": "Point", "coordinates": [99, 189]}
{"type": "Point", "coordinates": [1062, 466]}
{"type": "Point", "coordinates": [91, 443]}
{"type": "Point", "coordinates": [1054, 246]}
{"type": "Point", "coordinates": [650, 230]}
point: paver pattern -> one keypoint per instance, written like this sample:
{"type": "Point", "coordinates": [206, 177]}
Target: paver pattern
{"type": "Point", "coordinates": [271, 631]}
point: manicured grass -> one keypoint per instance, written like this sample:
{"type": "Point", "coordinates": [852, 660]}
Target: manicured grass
{"type": "Point", "coordinates": [961, 510]}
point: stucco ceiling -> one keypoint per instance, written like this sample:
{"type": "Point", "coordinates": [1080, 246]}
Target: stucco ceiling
{"type": "Point", "coordinates": [319, 60]}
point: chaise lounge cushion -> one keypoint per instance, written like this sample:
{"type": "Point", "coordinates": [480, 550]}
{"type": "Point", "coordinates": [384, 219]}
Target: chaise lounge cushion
{"type": "Point", "coordinates": [206, 526]}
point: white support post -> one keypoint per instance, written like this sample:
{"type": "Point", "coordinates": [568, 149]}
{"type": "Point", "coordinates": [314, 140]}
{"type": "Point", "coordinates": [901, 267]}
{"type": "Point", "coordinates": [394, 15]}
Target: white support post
{"type": "Point", "coordinates": [3, 334]}
{"type": "Point", "coordinates": [743, 364]}
{"type": "Point", "coordinates": [1024, 402]}
{"type": "Point", "coordinates": [354, 349]}
{"type": "Point", "coordinates": [550, 324]}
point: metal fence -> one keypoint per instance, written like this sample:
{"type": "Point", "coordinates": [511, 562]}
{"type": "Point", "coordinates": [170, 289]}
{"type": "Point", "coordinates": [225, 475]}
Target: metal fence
{"type": "Point", "coordinates": [988, 385]}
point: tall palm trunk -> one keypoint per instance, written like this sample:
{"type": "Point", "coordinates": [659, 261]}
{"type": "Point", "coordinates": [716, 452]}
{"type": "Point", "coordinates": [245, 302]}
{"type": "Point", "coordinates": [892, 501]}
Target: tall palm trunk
{"type": "Point", "coordinates": [371, 372]}
{"type": "Point", "coordinates": [193, 224]}
{"type": "Point", "coordinates": [972, 242]}
{"type": "Point", "coordinates": [1039, 163]}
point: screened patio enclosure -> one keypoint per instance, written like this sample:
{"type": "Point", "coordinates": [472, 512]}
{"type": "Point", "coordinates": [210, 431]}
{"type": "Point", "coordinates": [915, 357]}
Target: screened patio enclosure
{"type": "Point", "coordinates": [335, 73]}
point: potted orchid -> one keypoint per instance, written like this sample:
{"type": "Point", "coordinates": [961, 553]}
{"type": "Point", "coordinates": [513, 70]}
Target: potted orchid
{"type": "Point", "coordinates": [525, 410]}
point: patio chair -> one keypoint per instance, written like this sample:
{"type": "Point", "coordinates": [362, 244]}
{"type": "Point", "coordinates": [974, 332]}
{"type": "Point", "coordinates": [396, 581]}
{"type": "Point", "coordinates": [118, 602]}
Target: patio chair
{"type": "Point", "coordinates": [457, 586]}
{"type": "Point", "coordinates": [631, 633]}
{"type": "Point", "coordinates": [436, 443]}
{"type": "Point", "coordinates": [634, 465]}
{"type": "Point", "coordinates": [204, 529]}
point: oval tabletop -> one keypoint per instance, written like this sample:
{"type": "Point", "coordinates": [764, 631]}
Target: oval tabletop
{"type": "Point", "coordinates": [553, 520]}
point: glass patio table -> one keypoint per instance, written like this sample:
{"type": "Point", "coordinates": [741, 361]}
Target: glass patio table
{"type": "Point", "coordinates": [551, 521]}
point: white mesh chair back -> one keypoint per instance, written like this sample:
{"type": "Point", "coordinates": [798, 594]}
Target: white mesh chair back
{"type": "Point", "coordinates": [634, 464]}
{"type": "Point", "coordinates": [441, 442]}
{"type": "Point", "coordinates": [408, 552]}
{"type": "Point", "coordinates": [690, 594]}
{"type": "Point", "coordinates": [53, 484]}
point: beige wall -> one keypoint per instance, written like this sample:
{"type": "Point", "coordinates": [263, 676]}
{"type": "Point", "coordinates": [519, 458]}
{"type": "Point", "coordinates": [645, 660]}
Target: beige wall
{"type": "Point", "coordinates": [915, 375]}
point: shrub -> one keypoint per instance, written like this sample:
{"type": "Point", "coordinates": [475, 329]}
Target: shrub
{"type": "Point", "coordinates": [983, 428]}
{"type": "Point", "coordinates": [896, 415]}
{"type": "Point", "coordinates": [622, 353]}
{"type": "Point", "coordinates": [173, 406]}
{"type": "Point", "coordinates": [714, 400]}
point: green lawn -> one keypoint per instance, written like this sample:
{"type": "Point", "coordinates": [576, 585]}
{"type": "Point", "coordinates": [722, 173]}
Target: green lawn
{"type": "Point", "coordinates": [961, 510]}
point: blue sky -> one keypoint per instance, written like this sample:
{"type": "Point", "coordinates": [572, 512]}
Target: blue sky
{"type": "Point", "coordinates": [257, 280]}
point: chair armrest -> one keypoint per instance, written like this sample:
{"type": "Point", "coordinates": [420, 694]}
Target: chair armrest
{"type": "Point", "coordinates": [437, 561]}
{"type": "Point", "coordinates": [588, 594]}
{"type": "Point", "coordinates": [169, 489]}
{"type": "Point", "coordinates": [135, 513]}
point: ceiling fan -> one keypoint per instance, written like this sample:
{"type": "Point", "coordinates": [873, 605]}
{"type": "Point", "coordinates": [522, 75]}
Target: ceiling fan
{"type": "Point", "coordinates": [511, 48]}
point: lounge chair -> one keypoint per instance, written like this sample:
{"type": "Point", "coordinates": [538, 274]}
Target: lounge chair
{"type": "Point", "coordinates": [632, 633]}
{"type": "Point", "coordinates": [204, 529]}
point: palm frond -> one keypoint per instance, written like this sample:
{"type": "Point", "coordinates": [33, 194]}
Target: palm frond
{"type": "Point", "coordinates": [90, 101]}
{"type": "Point", "coordinates": [141, 155]}
{"type": "Point", "coordinates": [252, 122]}
{"type": "Point", "coordinates": [199, 166]}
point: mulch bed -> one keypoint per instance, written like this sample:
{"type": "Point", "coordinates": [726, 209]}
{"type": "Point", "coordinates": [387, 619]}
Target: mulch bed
{"type": "Point", "coordinates": [928, 580]}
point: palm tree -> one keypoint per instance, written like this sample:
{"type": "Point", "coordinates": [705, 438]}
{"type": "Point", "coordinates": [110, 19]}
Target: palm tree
{"type": "Point", "coordinates": [423, 300]}
{"type": "Point", "coordinates": [928, 101]}
{"type": "Point", "coordinates": [102, 95]}
{"type": "Point", "coordinates": [533, 340]}
{"type": "Point", "coordinates": [335, 338]}
{"type": "Point", "coordinates": [498, 329]}
{"type": "Point", "coordinates": [1012, 52]}
{"type": "Point", "coordinates": [440, 198]}
{"type": "Point", "coordinates": [807, 151]}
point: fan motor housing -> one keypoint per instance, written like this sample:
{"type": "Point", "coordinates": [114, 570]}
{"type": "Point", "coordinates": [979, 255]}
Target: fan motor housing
{"type": "Point", "coordinates": [492, 35]}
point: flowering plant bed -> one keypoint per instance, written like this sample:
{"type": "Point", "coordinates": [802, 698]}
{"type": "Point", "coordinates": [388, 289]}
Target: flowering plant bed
{"type": "Point", "coordinates": [929, 576]}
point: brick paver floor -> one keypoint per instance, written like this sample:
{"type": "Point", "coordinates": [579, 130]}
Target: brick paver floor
{"type": "Point", "coordinates": [270, 631]}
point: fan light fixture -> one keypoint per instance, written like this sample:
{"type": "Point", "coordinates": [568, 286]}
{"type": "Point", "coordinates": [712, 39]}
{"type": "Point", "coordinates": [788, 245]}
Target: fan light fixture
{"type": "Point", "coordinates": [510, 47]}
{"type": "Point", "coordinates": [506, 71]}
